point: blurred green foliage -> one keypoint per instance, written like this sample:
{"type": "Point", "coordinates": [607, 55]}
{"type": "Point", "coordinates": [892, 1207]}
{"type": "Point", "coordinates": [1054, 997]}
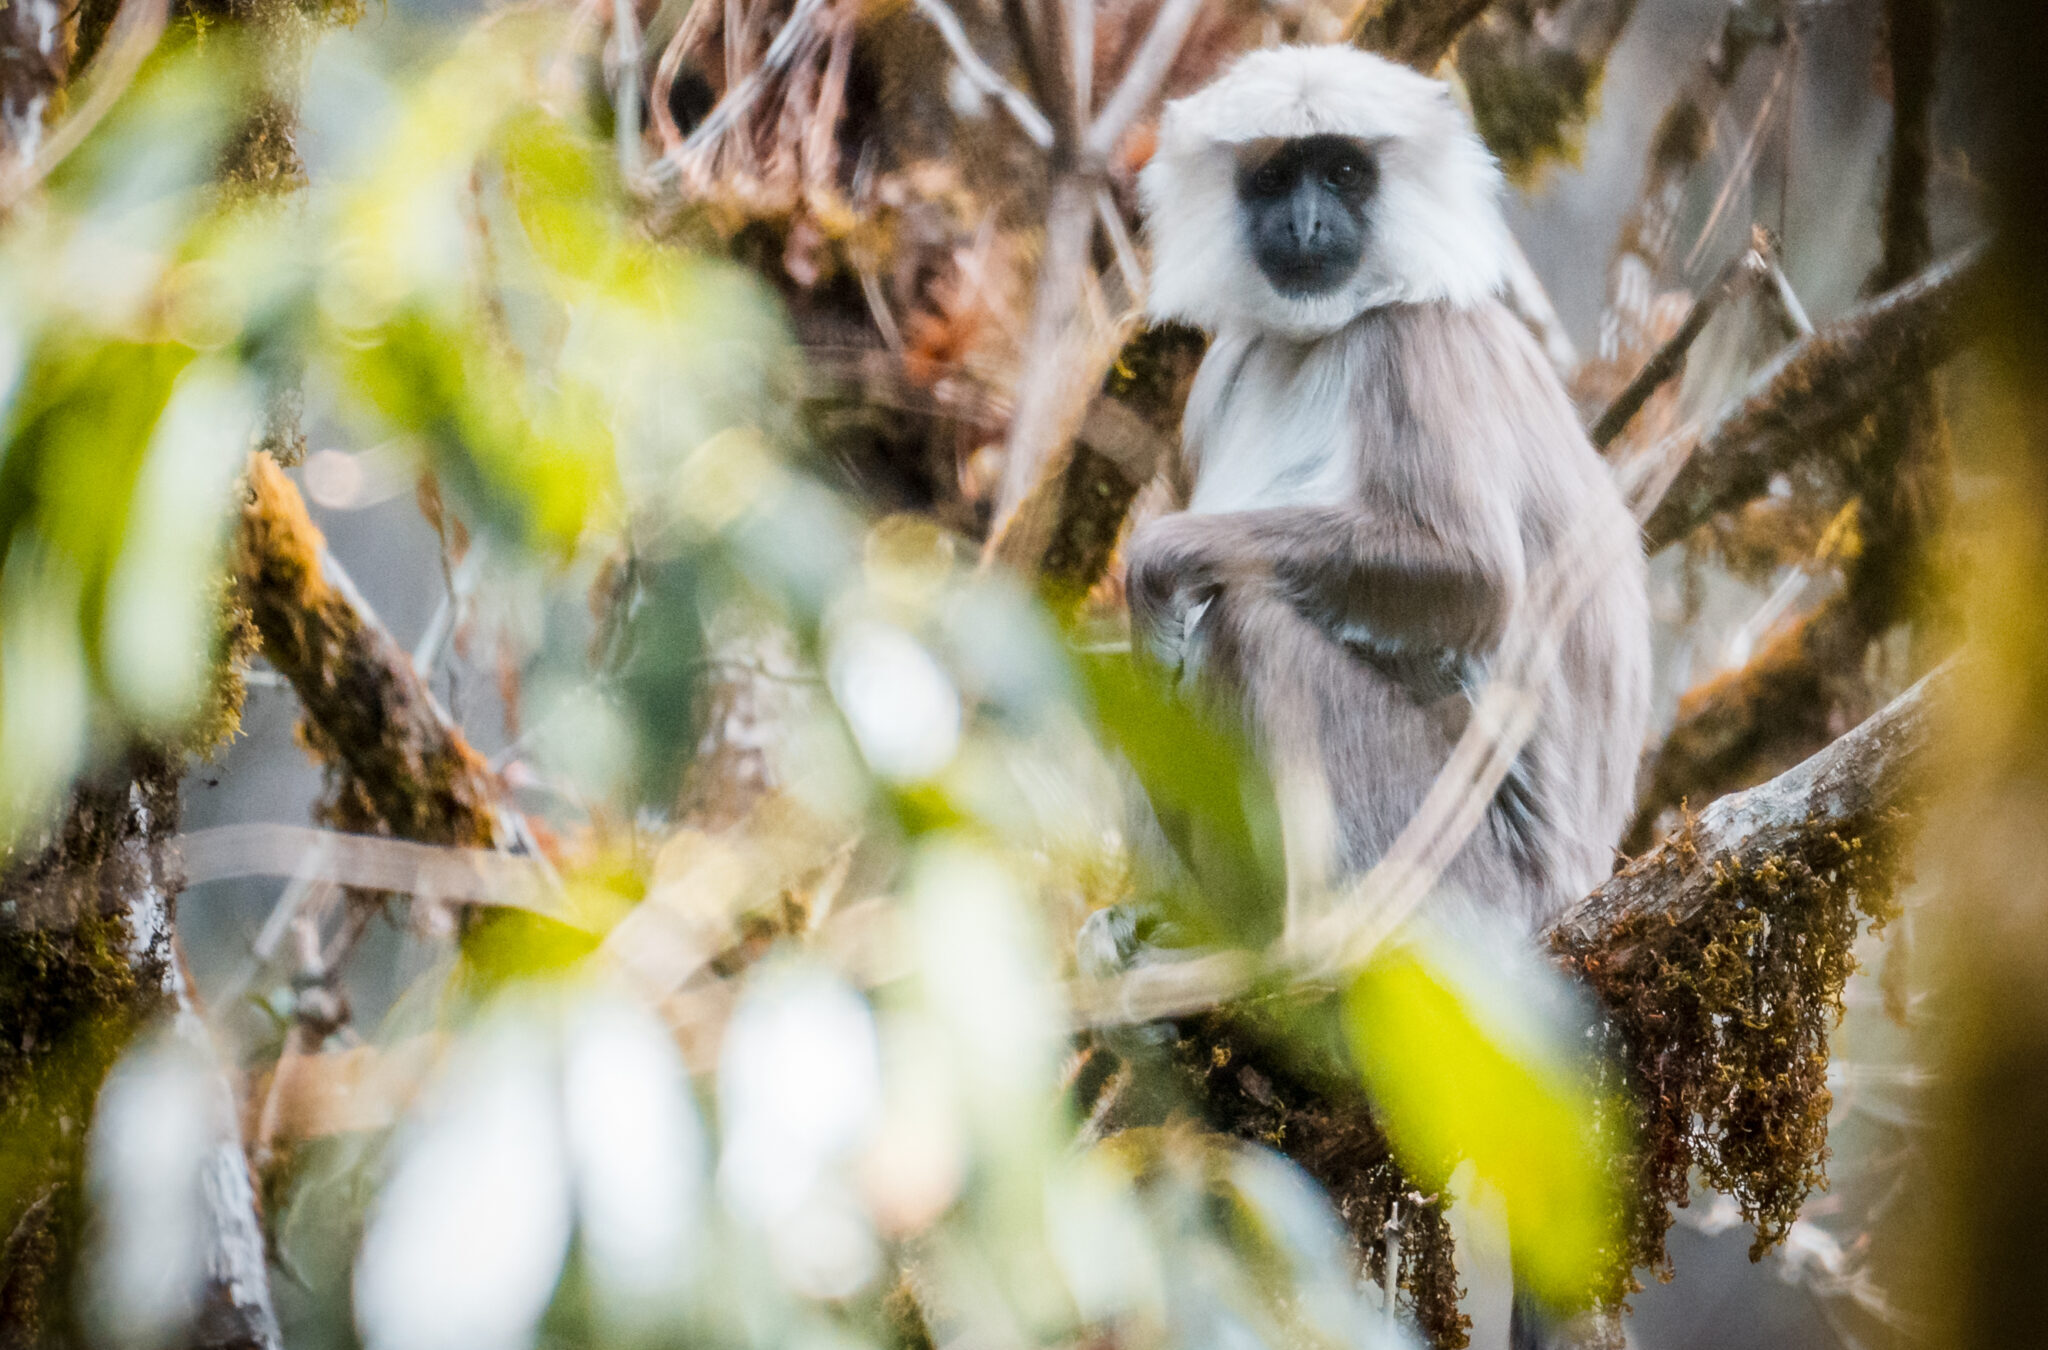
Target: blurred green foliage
{"type": "Point", "coordinates": [464, 282]}
{"type": "Point", "coordinates": [1463, 1066]}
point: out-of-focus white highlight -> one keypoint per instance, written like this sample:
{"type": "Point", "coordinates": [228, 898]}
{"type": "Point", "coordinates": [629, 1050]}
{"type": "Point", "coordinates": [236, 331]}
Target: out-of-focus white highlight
{"type": "Point", "coordinates": [43, 689]}
{"type": "Point", "coordinates": [902, 706]}
{"type": "Point", "coordinates": [468, 1236]}
{"type": "Point", "coordinates": [826, 1249]}
{"type": "Point", "coordinates": [581, 738]}
{"type": "Point", "coordinates": [985, 970]}
{"type": "Point", "coordinates": [799, 1087]}
{"type": "Point", "coordinates": [145, 1176]}
{"type": "Point", "coordinates": [799, 1092]}
{"type": "Point", "coordinates": [638, 1155]}
{"type": "Point", "coordinates": [915, 1164]}
{"type": "Point", "coordinates": [1102, 1244]}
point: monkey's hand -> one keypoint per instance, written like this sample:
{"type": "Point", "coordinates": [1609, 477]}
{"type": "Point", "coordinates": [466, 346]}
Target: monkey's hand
{"type": "Point", "coordinates": [1171, 573]}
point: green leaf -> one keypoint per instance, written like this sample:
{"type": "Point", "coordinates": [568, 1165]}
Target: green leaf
{"type": "Point", "coordinates": [1462, 1063]}
{"type": "Point", "coordinates": [1211, 796]}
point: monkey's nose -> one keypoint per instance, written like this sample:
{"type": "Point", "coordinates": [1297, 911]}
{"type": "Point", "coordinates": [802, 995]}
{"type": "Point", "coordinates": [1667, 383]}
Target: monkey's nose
{"type": "Point", "coordinates": [1306, 226]}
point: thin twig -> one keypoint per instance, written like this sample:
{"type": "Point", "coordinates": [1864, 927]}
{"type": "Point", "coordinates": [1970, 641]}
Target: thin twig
{"type": "Point", "coordinates": [1142, 77]}
{"type": "Point", "coordinates": [1127, 265]}
{"type": "Point", "coordinates": [374, 863]}
{"type": "Point", "coordinates": [982, 76]}
{"type": "Point", "coordinates": [696, 23]}
{"type": "Point", "coordinates": [626, 95]}
{"type": "Point", "coordinates": [1745, 163]}
{"type": "Point", "coordinates": [1788, 299]}
{"type": "Point", "coordinates": [426, 654]}
{"type": "Point", "coordinates": [795, 37]}
{"type": "Point", "coordinates": [1737, 276]}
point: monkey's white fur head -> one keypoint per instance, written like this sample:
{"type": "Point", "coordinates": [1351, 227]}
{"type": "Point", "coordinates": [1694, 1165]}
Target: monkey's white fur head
{"type": "Point", "coordinates": [1433, 226]}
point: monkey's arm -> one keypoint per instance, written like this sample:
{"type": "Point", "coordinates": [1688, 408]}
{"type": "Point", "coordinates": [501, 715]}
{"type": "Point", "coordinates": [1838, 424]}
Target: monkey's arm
{"type": "Point", "coordinates": [1365, 577]}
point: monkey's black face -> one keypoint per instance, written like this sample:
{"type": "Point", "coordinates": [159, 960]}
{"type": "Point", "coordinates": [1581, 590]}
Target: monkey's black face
{"type": "Point", "coordinates": [1304, 211]}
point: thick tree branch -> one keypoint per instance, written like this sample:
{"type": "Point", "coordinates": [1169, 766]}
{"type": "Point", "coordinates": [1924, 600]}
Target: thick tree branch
{"type": "Point", "coordinates": [404, 767]}
{"type": "Point", "coordinates": [1849, 789]}
{"type": "Point", "coordinates": [86, 964]}
{"type": "Point", "coordinates": [1815, 389]}
{"type": "Point", "coordinates": [1719, 959]}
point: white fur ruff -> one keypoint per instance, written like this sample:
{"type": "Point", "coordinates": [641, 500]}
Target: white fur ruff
{"type": "Point", "coordinates": [1434, 229]}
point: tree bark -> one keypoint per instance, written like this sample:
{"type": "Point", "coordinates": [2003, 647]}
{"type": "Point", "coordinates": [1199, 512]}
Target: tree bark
{"type": "Point", "coordinates": [86, 964]}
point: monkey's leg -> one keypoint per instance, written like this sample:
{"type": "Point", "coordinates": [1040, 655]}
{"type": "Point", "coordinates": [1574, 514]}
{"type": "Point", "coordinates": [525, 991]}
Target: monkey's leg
{"type": "Point", "coordinates": [1351, 750]}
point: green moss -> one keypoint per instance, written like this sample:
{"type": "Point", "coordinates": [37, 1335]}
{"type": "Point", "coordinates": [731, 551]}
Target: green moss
{"type": "Point", "coordinates": [1094, 499]}
{"type": "Point", "coordinates": [1721, 1023]}
{"type": "Point", "coordinates": [1154, 369]}
{"type": "Point", "coordinates": [1530, 108]}
{"type": "Point", "coordinates": [70, 999]}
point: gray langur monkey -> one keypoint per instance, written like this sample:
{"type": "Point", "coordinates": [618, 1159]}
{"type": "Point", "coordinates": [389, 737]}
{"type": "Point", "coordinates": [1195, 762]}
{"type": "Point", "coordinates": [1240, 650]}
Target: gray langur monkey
{"type": "Point", "coordinates": [1377, 459]}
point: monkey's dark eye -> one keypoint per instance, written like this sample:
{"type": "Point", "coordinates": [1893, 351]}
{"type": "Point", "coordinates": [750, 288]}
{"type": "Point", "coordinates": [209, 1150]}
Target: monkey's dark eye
{"type": "Point", "coordinates": [1270, 180]}
{"type": "Point", "coordinates": [1345, 174]}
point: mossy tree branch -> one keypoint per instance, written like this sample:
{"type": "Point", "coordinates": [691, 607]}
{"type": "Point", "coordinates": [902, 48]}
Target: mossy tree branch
{"type": "Point", "coordinates": [1720, 958]}
{"type": "Point", "coordinates": [1855, 787]}
{"type": "Point", "coordinates": [1818, 388]}
{"type": "Point", "coordinates": [399, 765]}
{"type": "Point", "coordinates": [1418, 33]}
{"type": "Point", "coordinates": [86, 964]}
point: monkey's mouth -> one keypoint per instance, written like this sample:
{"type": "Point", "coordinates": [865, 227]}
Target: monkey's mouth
{"type": "Point", "coordinates": [1303, 275]}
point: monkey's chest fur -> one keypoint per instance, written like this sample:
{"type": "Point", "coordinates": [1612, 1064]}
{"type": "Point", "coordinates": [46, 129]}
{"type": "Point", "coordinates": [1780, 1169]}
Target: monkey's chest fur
{"type": "Point", "coordinates": [1277, 426]}
{"type": "Point", "coordinates": [1417, 444]}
